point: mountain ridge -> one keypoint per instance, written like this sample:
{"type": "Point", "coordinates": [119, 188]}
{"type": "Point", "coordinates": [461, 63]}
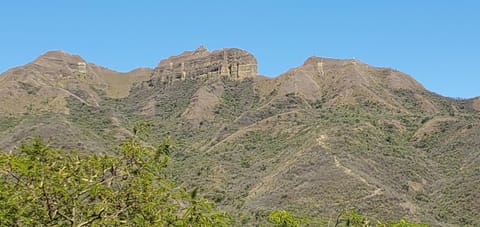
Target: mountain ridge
{"type": "Point", "coordinates": [54, 55]}
{"type": "Point", "coordinates": [60, 56]}
{"type": "Point", "coordinates": [325, 136]}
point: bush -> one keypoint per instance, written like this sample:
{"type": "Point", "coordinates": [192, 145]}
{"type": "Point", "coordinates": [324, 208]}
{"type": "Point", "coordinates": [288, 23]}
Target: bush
{"type": "Point", "coordinates": [282, 218]}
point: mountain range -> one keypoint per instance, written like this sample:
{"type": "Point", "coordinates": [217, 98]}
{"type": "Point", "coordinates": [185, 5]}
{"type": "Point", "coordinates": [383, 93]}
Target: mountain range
{"type": "Point", "coordinates": [326, 136]}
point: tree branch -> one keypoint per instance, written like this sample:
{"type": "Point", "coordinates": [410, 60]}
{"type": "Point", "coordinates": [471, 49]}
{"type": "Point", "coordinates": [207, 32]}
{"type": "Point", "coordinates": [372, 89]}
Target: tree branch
{"type": "Point", "coordinates": [92, 219]}
{"type": "Point", "coordinates": [65, 216]}
{"type": "Point", "coordinates": [51, 213]}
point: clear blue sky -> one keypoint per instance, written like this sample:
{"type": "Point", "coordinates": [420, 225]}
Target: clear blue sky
{"type": "Point", "coordinates": [435, 41]}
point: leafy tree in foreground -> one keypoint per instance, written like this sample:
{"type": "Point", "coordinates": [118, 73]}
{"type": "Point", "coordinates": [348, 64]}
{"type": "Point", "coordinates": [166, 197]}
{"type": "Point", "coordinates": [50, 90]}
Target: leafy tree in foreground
{"type": "Point", "coordinates": [352, 218]}
{"type": "Point", "coordinates": [41, 185]}
{"type": "Point", "coordinates": [282, 218]}
{"type": "Point", "coordinates": [348, 218]}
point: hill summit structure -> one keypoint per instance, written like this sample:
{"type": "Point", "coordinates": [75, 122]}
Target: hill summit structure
{"type": "Point", "coordinates": [234, 63]}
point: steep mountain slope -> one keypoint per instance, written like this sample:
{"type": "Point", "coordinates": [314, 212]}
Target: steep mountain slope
{"type": "Point", "coordinates": [321, 138]}
{"type": "Point", "coordinates": [43, 84]}
{"type": "Point", "coordinates": [37, 99]}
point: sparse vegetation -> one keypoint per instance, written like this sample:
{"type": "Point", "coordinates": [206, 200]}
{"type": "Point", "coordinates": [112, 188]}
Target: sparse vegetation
{"type": "Point", "coordinates": [350, 136]}
{"type": "Point", "coordinates": [41, 185]}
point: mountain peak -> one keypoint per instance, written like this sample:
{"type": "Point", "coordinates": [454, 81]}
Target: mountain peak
{"type": "Point", "coordinates": [314, 60]}
{"type": "Point", "coordinates": [58, 56]}
{"type": "Point", "coordinates": [361, 73]}
{"type": "Point", "coordinates": [52, 62]}
{"type": "Point", "coordinates": [232, 62]}
{"type": "Point", "coordinates": [201, 48]}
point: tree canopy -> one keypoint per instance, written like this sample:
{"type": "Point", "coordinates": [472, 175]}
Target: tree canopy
{"type": "Point", "coordinates": [42, 185]}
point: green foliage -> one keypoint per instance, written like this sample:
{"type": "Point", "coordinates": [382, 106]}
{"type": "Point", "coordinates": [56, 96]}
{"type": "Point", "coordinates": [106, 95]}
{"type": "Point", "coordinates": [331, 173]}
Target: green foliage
{"type": "Point", "coordinates": [238, 97]}
{"type": "Point", "coordinates": [282, 218]}
{"type": "Point", "coordinates": [30, 89]}
{"type": "Point", "coordinates": [401, 223]}
{"type": "Point", "coordinates": [41, 185]}
{"type": "Point", "coordinates": [318, 103]}
{"type": "Point", "coordinates": [7, 122]}
{"type": "Point", "coordinates": [93, 118]}
{"type": "Point", "coordinates": [352, 218]}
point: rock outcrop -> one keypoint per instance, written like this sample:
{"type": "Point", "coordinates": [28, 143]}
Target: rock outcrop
{"type": "Point", "coordinates": [476, 103]}
{"type": "Point", "coordinates": [233, 63]}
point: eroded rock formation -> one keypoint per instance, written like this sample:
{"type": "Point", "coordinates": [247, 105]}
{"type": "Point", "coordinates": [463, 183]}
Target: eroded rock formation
{"type": "Point", "coordinates": [233, 63]}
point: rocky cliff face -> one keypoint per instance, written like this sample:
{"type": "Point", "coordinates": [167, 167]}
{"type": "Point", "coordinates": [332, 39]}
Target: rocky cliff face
{"type": "Point", "coordinates": [233, 63]}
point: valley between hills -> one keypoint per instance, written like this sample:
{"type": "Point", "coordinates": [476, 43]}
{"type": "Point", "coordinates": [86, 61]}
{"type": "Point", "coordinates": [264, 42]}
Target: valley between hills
{"type": "Point", "coordinates": [324, 137]}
